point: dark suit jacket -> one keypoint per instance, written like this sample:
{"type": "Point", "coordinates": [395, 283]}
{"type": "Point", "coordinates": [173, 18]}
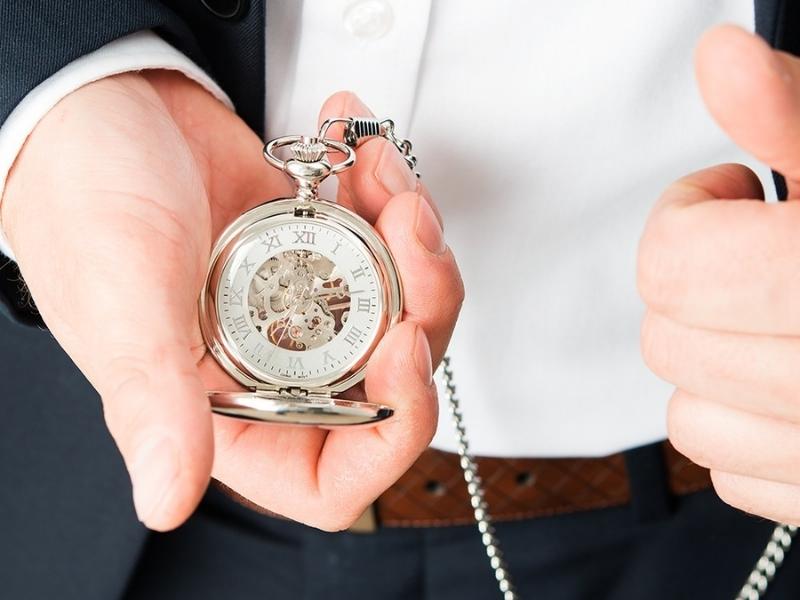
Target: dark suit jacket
{"type": "Point", "coordinates": [67, 527]}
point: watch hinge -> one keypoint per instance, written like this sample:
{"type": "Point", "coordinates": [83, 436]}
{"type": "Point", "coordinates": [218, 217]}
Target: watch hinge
{"type": "Point", "coordinates": [293, 392]}
{"type": "Point", "coordinates": [298, 392]}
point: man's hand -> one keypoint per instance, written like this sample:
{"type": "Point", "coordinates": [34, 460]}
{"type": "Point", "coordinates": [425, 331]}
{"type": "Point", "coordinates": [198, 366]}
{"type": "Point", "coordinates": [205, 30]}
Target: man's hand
{"type": "Point", "coordinates": [111, 209]}
{"type": "Point", "coordinates": [719, 270]}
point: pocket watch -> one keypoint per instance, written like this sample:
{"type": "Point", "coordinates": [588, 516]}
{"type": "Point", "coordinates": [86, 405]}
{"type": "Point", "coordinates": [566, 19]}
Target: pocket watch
{"type": "Point", "coordinates": [298, 294]}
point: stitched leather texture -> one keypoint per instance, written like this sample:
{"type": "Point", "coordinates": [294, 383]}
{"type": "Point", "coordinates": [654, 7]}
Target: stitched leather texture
{"type": "Point", "coordinates": [433, 493]}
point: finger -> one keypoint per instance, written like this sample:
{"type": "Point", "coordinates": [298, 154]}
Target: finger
{"type": "Point", "coordinates": [773, 500]}
{"type": "Point", "coordinates": [722, 438]}
{"type": "Point", "coordinates": [432, 288]}
{"type": "Point", "coordinates": [380, 171]}
{"type": "Point", "coordinates": [748, 372]}
{"type": "Point", "coordinates": [754, 94]}
{"type": "Point", "coordinates": [327, 478]}
{"type": "Point", "coordinates": [722, 264]}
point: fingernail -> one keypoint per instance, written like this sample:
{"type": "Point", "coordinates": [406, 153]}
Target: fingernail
{"type": "Point", "coordinates": [422, 356]}
{"type": "Point", "coordinates": [429, 232]}
{"type": "Point", "coordinates": [393, 173]}
{"type": "Point", "coordinates": [155, 468]}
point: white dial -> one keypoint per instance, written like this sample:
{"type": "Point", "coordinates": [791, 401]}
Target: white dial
{"type": "Point", "coordinates": [301, 301]}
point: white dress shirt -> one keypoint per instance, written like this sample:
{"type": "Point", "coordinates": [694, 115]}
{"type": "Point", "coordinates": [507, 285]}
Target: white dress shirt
{"type": "Point", "coordinates": [545, 132]}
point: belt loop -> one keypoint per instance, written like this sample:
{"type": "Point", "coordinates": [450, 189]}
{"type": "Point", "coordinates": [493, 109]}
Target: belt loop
{"type": "Point", "coordinates": [651, 499]}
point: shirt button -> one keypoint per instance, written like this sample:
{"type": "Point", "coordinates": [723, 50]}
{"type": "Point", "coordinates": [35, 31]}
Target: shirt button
{"type": "Point", "coordinates": [368, 19]}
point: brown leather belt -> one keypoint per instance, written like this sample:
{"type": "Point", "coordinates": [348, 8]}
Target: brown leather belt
{"type": "Point", "coordinates": [433, 493]}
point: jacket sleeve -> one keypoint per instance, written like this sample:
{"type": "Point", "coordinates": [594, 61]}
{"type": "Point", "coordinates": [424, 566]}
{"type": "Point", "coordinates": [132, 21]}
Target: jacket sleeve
{"type": "Point", "coordinates": [37, 38]}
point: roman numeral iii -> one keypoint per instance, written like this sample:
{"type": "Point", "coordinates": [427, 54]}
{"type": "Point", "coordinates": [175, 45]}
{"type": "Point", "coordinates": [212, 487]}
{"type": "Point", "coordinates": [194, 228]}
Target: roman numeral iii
{"type": "Point", "coordinates": [353, 335]}
{"type": "Point", "coordinates": [242, 328]}
{"type": "Point", "coordinates": [364, 304]}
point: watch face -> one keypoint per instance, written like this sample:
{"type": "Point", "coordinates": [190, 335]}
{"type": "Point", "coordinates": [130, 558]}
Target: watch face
{"type": "Point", "coordinates": [300, 301]}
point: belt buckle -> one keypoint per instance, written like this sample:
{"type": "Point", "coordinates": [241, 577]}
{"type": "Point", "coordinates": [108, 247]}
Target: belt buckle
{"type": "Point", "coordinates": [367, 522]}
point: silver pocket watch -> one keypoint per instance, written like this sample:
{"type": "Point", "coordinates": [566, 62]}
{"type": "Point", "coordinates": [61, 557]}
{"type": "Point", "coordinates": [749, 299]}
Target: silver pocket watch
{"type": "Point", "coordinates": [298, 294]}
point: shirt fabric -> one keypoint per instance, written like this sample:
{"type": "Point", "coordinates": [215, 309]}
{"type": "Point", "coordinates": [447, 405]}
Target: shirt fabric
{"type": "Point", "coordinates": [545, 131]}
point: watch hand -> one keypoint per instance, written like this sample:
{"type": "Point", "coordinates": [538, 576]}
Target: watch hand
{"type": "Point", "coordinates": [328, 295]}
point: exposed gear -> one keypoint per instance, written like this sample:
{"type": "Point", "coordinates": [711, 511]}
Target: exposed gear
{"type": "Point", "coordinates": [297, 300]}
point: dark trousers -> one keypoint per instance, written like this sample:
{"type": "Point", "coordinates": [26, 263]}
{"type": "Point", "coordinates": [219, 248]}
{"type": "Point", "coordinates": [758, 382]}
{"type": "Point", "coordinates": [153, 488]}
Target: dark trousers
{"type": "Point", "coordinates": [67, 528]}
{"type": "Point", "coordinates": [659, 547]}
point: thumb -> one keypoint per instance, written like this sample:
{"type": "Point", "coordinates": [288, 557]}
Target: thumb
{"type": "Point", "coordinates": [753, 92]}
{"type": "Point", "coordinates": [125, 314]}
{"type": "Point", "coordinates": [136, 324]}
{"type": "Point", "coordinates": [143, 292]}
{"type": "Point", "coordinates": [155, 408]}
{"type": "Point", "coordinates": [123, 306]}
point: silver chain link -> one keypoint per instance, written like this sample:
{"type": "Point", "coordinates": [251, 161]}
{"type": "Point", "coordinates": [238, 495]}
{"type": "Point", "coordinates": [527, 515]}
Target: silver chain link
{"type": "Point", "coordinates": [475, 488]}
{"type": "Point", "coordinates": [358, 128]}
{"type": "Point", "coordinates": [771, 558]}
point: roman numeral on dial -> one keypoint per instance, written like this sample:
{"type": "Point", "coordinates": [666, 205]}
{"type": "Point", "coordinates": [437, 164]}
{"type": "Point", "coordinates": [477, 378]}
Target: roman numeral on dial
{"type": "Point", "coordinates": [242, 328]}
{"type": "Point", "coordinates": [296, 362]}
{"type": "Point", "coordinates": [353, 335]}
{"type": "Point", "coordinates": [358, 273]}
{"type": "Point", "coordinates": [364, 304]}
{"type": "Point", "coordinates": [272, 242]}
{"type": "Point", "coordinates": [305, 237]}
{"type": "Point", "coordinates": [247, 266]}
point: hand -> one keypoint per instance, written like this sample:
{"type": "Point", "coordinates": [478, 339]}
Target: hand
{"type": "Point", "coordinates": [111, 209]}
{"type": "Point", "coordinates": [719, 270]}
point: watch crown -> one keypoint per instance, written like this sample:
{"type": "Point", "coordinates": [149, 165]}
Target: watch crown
{"type": "Point", "coordinates": [308, 150]}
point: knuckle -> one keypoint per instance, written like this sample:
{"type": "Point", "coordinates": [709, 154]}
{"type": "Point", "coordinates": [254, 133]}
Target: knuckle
{"type": "Point", "coordinates": [683, 432]}
{"type": "Point", "coordinates": [122, 410]}
{"type": "Point", "coordinates": [657, 268]}
{"type": "Point", "coordinates": [126, 381]}
{"type": "Point", "coordinates": [451, 298]}
{"type": "Point", "coordinates": [656, 349]}
{"type": "Point", "coordinates": [439, 298]}
{"type": "Point", "coordinates": [730, 492]}
{"type": "Point", "coordinates": [459, 293]}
